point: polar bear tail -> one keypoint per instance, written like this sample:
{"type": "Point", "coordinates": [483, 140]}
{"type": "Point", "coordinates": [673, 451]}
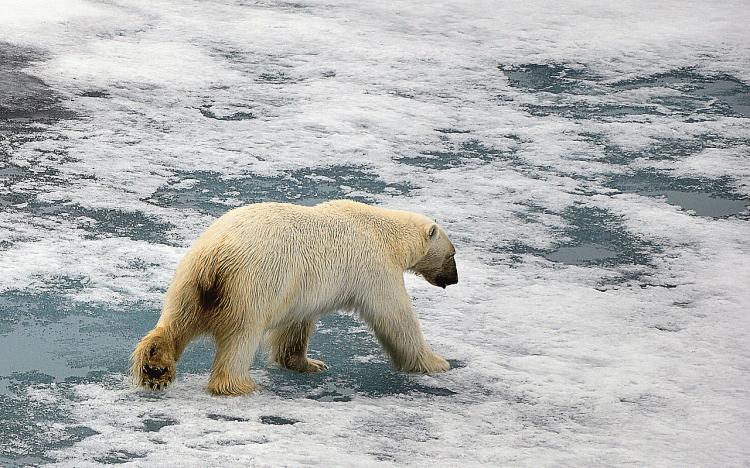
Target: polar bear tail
{"type": "Point", "coordinates": [153, 361]}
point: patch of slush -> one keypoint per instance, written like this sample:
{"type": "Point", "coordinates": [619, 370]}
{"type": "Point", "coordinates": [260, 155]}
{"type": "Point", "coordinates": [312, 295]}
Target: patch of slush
{"type": "Point", "coordinates": [208, 112]}
{"type": "Point", "coordinates": [357, 364]}
{"type": "Point", "coordinates": [463, 153]}
{"type": "Point", "coordinates": [704, 197]}
{"type": "Point", "coordinates": [21, 185]}
{"type": "Point", "coordinates": [28, 107]}
{"type": "Point", "coordinates": [31, 428]}
{"type": "Point", "coordinates": [95, 93]}
{"type": "Point", "coordinates": [590, 236]}
{"type": "Point", "coordinates": [587, 110]}
{"type": "Point", "coordinates": [722, 94]}
{"type": "Point", "coordinates": [549, 78]}
{"type": "Point", "coordinates": [213, 193]}
{"type": "Point", "coordinates": [116, 457]}
{"type": "Point", "coordinates": [50, 346]}
{"type": "Point", "coordinates": [100, 222]}
{"type": "Point", "coordinates": [682, 91]}
{"type": "Point", "coordinates": [156, 423]}
{"type": "Point", "coordinates": [663, 149]}
{"type": "Point", "coordinates": [276, 420]}
{"type": "Point", "coordinates": [24, 98]}
{"type": "Point", "coordinates": [35, 418]}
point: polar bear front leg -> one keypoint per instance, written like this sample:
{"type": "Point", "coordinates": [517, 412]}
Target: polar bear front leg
{"type": "Point", "coordinates": [397, 328]}
{"type": "Point", "coordinates": [288, 345]}
{"type": "Point", "coordinates": [230, 374]}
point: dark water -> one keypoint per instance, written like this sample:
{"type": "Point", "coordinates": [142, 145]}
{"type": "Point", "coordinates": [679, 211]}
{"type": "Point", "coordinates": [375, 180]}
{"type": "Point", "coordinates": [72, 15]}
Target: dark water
{"type": "Point", "coordinates": [116, 457]}
{"type": "Point", "coordinates": [23, 97]}
{"type": "Point", "coordinates": [700, 203]}
{"type": "Point", "coordinates": [209, 113]}
{"type": "Point", "coordinates": [593, 236]}
{"type": "Point", "coordinates": [666, 149]}
{"type": "Point", "coordinates": [277, 420]}
{"type": "Point", "coordinates": [549, 77]}
{"type": "Point", "coordinates": [699, 93]}
{"type": "Point", "coordinates": [588, 111]}
{"type": "Point", "coordinates": [713, 198]}
{"type": "Point", "coordinates": [206, 191]}
{"type": "Point", "coordinates": [154, 424]}
{"type": "Point", "coordinates": [461, 154]}
{"type": "Point", "coordinates": [685, 92]}
{"type": "Point", "coordinates": [46, 340]}
{"type": "Point", "coordinates": [596, 237]}
{"type": "Point", "coordinates": [585, 254]}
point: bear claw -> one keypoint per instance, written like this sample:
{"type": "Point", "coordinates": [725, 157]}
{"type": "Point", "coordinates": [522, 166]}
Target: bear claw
{"type": "Point", "coordinates": [157, 386]}
{"type": "Point", "coordinates": [309, 366]}
{"type": "Point", "coordinates": [314, 366]}
{"type": "Point", "coordinates": [154, 372]}
{"type": "Point", "coordinates": [156, 377]}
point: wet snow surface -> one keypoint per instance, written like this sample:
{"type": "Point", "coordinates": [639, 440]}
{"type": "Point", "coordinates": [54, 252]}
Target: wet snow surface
{"type": "Point", "coordinates": [590, 160]}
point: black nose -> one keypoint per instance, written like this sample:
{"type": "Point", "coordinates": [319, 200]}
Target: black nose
{"type": "Point", "coordinates": [446, 280]}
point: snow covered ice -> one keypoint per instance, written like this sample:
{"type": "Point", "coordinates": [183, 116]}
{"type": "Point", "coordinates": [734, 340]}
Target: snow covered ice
{"type": "Point", "coordinates": [591, 161]}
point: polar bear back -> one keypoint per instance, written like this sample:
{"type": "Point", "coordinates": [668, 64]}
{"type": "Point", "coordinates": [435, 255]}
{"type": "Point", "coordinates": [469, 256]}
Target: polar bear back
{"type": "Point", "coordinates": [281, 259]}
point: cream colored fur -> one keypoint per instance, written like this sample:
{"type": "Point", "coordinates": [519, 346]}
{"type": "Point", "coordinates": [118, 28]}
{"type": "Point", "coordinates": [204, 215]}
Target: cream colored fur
{"type": "Point", "coordinates": [273, 269]}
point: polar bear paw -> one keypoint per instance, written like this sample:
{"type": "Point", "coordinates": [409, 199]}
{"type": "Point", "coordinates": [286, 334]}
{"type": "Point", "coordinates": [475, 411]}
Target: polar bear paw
{"type": "Point", "coordinates": [306, 365]}
{"type": "Point", "coordinates": [223, 384]}
{"type": "Point", "coordinates": [313, 366]}
{"type": "Point", "coordinates": [153, 363]}
{"type": "Point", "coordinates": [428, 363]}
{"type": "Point", "coordinates": [157, 377]}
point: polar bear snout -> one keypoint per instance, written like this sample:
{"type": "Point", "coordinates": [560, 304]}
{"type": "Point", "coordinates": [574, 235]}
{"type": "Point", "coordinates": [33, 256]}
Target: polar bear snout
{"type": "Point", "coordinates": [443, 276]}
{"type": "Point", "coordinates": [448, 274]}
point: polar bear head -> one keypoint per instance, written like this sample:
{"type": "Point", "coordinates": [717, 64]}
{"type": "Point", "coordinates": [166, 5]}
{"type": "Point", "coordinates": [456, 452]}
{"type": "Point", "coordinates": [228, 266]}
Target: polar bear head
{"type": "Point", "coordinates": [437, 265]}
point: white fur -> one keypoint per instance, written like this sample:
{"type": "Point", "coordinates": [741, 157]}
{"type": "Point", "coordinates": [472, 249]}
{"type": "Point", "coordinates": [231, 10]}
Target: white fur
{"type": "Point", "coordinates": [276, 268]}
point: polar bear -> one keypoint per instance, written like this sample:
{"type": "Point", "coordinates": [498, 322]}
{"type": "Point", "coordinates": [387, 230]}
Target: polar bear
{"type": "Point", "coordinates": [271, 270]}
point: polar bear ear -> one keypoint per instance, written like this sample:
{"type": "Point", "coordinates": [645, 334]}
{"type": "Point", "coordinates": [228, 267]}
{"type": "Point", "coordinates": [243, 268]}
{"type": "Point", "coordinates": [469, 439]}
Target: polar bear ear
{"type": "Point", "coordinates": [432, 231]}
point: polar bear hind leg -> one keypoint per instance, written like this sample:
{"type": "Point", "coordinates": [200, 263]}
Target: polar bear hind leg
{"type": "Point", "coordinates": [235, 350]}
{"type": "Point", "coordinates": [154, 360]}
{"type": "Point", "coordinates": [288, 347]}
